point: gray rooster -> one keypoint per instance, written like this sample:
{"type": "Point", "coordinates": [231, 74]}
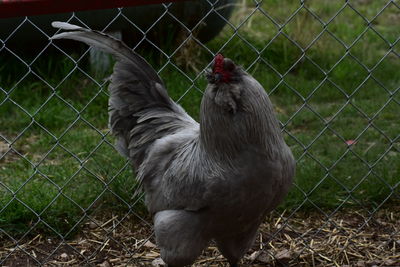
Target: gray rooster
{"type": "Point", "coordinates": [213, 180]}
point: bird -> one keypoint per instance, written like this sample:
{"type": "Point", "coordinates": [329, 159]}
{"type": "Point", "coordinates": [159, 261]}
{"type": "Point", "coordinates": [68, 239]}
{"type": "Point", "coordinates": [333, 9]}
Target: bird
{"type": "Point", "coordinates": [212, 180]}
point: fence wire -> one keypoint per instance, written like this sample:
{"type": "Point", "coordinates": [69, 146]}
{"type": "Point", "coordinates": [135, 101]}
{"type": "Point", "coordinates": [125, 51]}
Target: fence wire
{"type": "Point", "coordinates": [65, 193]}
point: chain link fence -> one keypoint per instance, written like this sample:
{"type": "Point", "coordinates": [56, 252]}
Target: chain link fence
{"type": "Point", "coordinates": [332, 69]}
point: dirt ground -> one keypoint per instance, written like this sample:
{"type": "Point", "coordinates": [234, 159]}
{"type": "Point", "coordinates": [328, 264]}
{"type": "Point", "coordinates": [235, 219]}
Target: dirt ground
{"type": "Point", "coordinates": [346, 238]}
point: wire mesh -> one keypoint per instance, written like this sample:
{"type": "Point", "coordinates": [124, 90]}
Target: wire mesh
{"type": "Point", "coordinates": [59, 168]}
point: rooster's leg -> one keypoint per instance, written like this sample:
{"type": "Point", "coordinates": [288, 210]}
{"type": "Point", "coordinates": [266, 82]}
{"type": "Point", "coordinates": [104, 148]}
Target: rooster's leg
{"type": "Point", "coordinates": [234, 247]}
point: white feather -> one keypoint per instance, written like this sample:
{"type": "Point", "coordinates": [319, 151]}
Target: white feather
{"type": "Point", "coordinates": [66, 26]}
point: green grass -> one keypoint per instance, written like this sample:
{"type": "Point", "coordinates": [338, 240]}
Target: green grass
{"type": "Point", "coordinates": [69, 168]}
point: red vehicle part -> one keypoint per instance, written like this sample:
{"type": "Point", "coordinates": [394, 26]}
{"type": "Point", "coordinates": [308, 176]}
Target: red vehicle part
{"type": "Point", "coordinates": [18, 8]}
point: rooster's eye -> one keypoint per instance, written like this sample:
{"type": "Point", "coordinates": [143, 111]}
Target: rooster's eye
{"type": "Point", "coordinates": [218, 76]}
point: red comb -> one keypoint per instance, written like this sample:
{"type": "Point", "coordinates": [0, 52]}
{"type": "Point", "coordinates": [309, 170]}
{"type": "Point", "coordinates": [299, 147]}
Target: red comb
{"type": "Point", "coordinates": [219, 68]}
{"type": "Point", "coordinates": [219, 64]}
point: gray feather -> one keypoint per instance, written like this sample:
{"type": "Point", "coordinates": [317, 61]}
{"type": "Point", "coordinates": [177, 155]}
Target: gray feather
{"type": "Point", "coordinates": [213, 180]}
{"type": "Point", "coordinates": [137, 96]}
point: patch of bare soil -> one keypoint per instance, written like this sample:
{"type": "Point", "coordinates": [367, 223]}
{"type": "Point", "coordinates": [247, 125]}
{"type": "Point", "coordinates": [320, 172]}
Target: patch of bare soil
{"type": "Point", "coordinates": [346, 238]}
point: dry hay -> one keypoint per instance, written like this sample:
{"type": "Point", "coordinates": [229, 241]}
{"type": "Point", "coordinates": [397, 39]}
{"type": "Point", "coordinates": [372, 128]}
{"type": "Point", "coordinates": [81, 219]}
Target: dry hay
{"type": "Point", "coordinates": [346, 238]}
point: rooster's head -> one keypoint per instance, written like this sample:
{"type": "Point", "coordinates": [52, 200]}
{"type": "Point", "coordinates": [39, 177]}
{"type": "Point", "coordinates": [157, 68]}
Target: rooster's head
{"type": "Point", "coordinates": [223, 71]}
